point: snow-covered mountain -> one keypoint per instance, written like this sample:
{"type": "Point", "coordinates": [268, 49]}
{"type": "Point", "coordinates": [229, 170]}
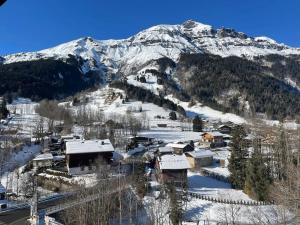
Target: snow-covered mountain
{"type": "Point", "coordinates": [157, 42]}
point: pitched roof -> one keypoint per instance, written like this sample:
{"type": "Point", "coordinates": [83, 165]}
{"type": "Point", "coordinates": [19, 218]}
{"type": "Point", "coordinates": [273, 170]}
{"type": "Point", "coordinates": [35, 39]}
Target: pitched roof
{"type": "Point", "coordinates": [89, 146]}
{"type": "Point", "coordinates": [173, 162]}
{"type": "Point", "coordinates": [223, 125]}
{"type": "Point", "coordinates": [201, 154]}
{"type": "Point", "coordinates": [165, 149]}
{"type": "Point", "coordinates": [175, 145]}
{"type": "Point", "coordinates": [45, 156]}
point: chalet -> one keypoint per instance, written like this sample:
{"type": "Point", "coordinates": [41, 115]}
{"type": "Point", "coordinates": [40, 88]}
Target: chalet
{"type": "Point", "coordinates": [172, 169]}
{"type": "Point", "coordinates": [180, 148]}
{"type": "Point", "coordinates": [86, 156]}
{"type": "Point", "coordinates": [214, 138]}
{"type": "Point", "coordinates": [200, 158]}
{"type": "Point", "coordinates": [224, 129]}
{"type": "Point", "coordinates": [43, 161]}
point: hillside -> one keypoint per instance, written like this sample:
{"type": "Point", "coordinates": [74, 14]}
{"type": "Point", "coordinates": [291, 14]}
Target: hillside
{"type": "Point", "coordinates": [222, 68]}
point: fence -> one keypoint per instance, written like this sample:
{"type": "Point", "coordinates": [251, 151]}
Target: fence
{"type": "Point", "coordinates": [227, 201]}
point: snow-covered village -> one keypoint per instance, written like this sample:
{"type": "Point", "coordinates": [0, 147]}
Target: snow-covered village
{"type": "Point", "coordinates": [176, 122]}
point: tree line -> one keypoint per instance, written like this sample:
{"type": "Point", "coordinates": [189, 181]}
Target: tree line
{"type": "Point", "coordinates": [268, 171]}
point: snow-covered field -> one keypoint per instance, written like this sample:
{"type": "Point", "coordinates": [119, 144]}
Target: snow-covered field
{"type": "Point", "coordinates": [151, 83]}
{"type": "Point", "coordinates": [202, 210]}
{"type": "Point", "coordinates": [213, 188]}
{"type": "Point", "coordinates": [171, 134]}
{"type": "Point", "coordinates": [12, 176]}
{"type": "Point", "coordinates": [198, 209]}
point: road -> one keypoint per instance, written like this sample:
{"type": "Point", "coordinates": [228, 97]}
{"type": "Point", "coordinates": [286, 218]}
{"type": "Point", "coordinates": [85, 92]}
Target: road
{"type": "Point", "coordinates": [20, 216]}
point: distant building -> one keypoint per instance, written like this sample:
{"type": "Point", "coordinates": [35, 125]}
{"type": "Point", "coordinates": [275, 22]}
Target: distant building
{"type": "Point", "coordinates": [214, 138]}
{"type": "Point", "coordinates": [200, 158]}
{"type": "Point", "coordinates": [165, 150]}
{"type": "Point", "coordinates": [84, 156]}
{"type": "Point", "coordinates": [180, 148]}
{"type": "Point", "coordinates": [141, 140]}
{"type": "Point", "coordinates": [43, 160]}
{"type": "Point", "coordinates": [172, 169]}
{"type": "Point", "coordinates": [225, 129]}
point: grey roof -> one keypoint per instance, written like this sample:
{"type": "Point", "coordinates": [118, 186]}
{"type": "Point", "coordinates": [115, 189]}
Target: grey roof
{"type": "Point", "coordinates": [201, 154]}
{"type": "Point", "coordinates": [173, 162]}
{"type": "Point", "coordinates": [89, 146]}
{"type": "Point", "coordinates": [45, 156]}
{"type": "Point", "coordinates": [165, 149]}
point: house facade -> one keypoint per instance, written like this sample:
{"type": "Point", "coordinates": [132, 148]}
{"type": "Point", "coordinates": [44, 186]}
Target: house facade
{"type": "Point", "coordinates": [43, 161]}
{"type": "Point", "coordinates": [214, 138]}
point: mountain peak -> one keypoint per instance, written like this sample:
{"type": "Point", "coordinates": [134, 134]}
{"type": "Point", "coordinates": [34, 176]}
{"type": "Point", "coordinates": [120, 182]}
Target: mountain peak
{"type": "Point", "coordinates": [161, 41]}
{"type": "Point", "coordinates": [190, 24]}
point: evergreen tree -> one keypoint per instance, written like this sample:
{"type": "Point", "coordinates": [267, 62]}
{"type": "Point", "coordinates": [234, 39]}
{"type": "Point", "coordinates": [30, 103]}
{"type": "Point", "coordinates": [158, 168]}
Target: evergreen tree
{"type": "Point", "coordinates": [197, 124]}
{"type": "Point", "coordinates": [238, 159]}
{"type": "Point", "coordinates": [281, 155]}
{"type": "Point", "coordinates": [258, 178]}
{"type": "Point", "coordinates": [143, 79]}
{"type": "Point", "coordinates": [3, 109]}
{"type": "Point", "coordinates": [176, 211]}
{"type": "Point", "coordinates": [172, 115]}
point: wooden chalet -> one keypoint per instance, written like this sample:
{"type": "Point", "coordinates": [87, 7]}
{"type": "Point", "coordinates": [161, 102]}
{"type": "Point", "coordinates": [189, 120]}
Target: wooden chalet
{"type": "Point", "coordinates": [180, 148]}
{"type": "Point", "coordinates": [172, 169]}
{"type": "Point", "coordinates": [214, 138]}
{"type": "Point", "coordinates": [85, 156]}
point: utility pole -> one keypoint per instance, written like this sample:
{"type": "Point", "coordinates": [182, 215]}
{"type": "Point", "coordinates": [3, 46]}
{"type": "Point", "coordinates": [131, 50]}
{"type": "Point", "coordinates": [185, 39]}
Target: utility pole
{"type": "Point", "coordinates": [120, 194]}
{"type": "Point", "coordinates": [34, 218]}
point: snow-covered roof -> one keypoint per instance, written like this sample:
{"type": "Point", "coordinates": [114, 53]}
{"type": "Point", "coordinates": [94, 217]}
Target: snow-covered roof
{"type": "Point", "coordinates": [201, 154]}
{"type": "Point", "coordinates": [175, 145]}
{"type": "Point", "coordinates": [227, 136]}
{"type": "Point", "coordinates": [89, 146]}
{"type": "Point", "coordinates": [223, 125]}
{"type": "Point", "coordinates": [173, 162]}
{"type": "Point", "coordinates": [45, 156]}
{"type": "Point", "coordinates": [214, 133]}
{"type": "Point", "coordinates": [165, 149]}
{"type": "Point", "coordinates": [59, 157]}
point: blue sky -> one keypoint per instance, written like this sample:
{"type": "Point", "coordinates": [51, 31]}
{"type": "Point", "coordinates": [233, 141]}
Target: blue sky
{"type": "Point", "coordinates": [31, 25]}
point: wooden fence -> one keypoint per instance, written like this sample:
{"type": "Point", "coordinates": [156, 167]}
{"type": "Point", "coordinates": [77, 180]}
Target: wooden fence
{"type": "Point", "coordinates": [227, 201]}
